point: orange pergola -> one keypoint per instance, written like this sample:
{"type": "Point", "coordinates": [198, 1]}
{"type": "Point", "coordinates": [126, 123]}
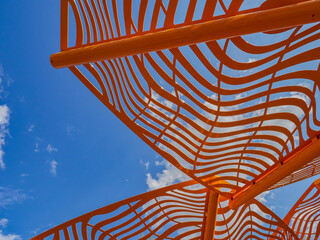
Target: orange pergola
{"type": "Point", "coordinates": [181, 211]}
{"type": "Point", "coordinates": [225, 90]}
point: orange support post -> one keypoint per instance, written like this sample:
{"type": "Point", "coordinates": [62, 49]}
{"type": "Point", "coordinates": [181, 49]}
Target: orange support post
{"type": "Point", "coordinates": [273, 19]}
{"type": "Point", "coordinates": [277, 173]}
{"type": "Point", "coordinates": [211, 216]}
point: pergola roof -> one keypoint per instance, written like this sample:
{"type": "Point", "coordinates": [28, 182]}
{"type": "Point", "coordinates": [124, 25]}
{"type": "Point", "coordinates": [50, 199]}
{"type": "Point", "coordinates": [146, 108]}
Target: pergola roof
{"type": "Point", "coordinates": [226, 91]}
{"type": "Point", "coordinates": [179, 211]}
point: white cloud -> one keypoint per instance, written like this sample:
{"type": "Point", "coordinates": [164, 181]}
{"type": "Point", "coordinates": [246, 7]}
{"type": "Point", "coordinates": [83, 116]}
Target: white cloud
{"type": "Point", "coordinates": [1, 71]}
{"type": "Point", "coordinates": [30, 128]}
{"type": "Point", "coordinates": [70, 129]}
{"type": "Point", "coordinates": [4, 122]}
{"type": "Point", "coordinates": [35, 231]}
{"type": "Point", "coordinates": [51, 148]}
{"type": "Point", "coordinates": [168, 176]}
{"type": "Point", "coordinates": [145, 164]}
{"type": "Point", "coordinates": [4, 115]}
{"type": "Point", "coordinates": [262, 197]}
{"type": "Point", "coordinates": [9, 236]}
{"type": "Point", "coordinates": [4, 222]}
{"type": "Point", "coordinates": [53, 167]}
{"type": "Point", "coordinates": [251, 60]}
{"type": "Point", "coordinates": [10, 196]}
{"type": "Point", "coordinates": [36, 149]}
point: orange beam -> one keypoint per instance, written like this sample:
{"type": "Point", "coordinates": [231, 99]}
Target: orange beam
{"type": "Point", "coordinates": [211, 216]}
{"type": "Point", "coordinates": [267, 20]}
{"type": "Point", "coordinates": [64, 23]}
{"type": "Point", "coordinates": [277, 173]}
{"type": "Point", "coordinates": [317, 183]}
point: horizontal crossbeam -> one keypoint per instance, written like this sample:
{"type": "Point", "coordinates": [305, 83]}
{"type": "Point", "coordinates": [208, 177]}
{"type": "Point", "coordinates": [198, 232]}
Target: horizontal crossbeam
{"type": "Point", "coordinates": [242, 24]}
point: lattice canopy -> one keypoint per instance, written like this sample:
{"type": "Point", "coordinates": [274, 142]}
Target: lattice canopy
{"type": "Point", "coordinates": [225, 90]}
{"type": "Point", "coordinates": [238, 107]}
{"type": "Point", "coordinates": [176, 212]}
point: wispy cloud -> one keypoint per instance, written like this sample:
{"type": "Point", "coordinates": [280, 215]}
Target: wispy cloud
{"type": "Point", "coordinates": [31, 128]}
{"type": "Point", "coordinates": [10, 196]}
{"type": "Point", "coordinates": [9, 236]}
{"type": "Point", "coordinates": [1, 71]}
{"type": "Point", "coordinates": [145, 164]}
{"type": "Point", "coordinates": [1, 80]}
{"type": "Point", "coordinates": [4, 122]}
{"type": "Point", "coordinates": [36, 149]}
{"type": "Point", "coordinates": [51, 148]}
{"type": "Point", "coordinates": [53, 167]}
{"type": "Point", "coordinates": [4, 222]}
{"type": "Point", "coordinates": [70, 129]}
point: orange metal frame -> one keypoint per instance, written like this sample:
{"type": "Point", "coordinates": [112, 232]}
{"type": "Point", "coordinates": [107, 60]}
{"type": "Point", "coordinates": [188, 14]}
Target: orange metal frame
{"type": "Point", "coordinates": [117, 78]}
{"type": "Point", "coordinates": [238, 25]}
{"type": "Point", "coordinates": [203, 88]}
{"type": "Point", "coordinates": [277, 173]}
{"type": "Point", "coordinates": [181, 209]}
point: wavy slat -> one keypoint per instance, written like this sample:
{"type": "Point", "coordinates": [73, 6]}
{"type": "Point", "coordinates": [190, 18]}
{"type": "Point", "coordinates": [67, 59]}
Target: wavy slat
{"type": "Point", "coordinates": [250, 221]}
{"type": "Point", "coordinates": [304, 217]}
{"type": "Point", "coordinates": [175, 212]}
{"type": "Point", "coordinates": [234, 108]}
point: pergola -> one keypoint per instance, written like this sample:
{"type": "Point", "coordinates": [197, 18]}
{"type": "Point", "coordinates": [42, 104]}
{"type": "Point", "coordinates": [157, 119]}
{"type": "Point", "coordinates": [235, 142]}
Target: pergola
{"type": "Point", "coordinates": [225, 90]}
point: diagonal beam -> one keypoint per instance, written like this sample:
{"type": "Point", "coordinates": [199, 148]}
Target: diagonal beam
{"type": "Point", "coordinates": [276, 173]}
{"type": "Point", "coordinates": [242, 24]}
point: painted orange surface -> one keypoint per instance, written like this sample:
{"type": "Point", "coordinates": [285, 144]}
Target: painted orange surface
{"type": "Point", "coordinates": [166, 99]}
{"type": "Point", "coordinates": [175, 212]}
{"type": "Point", "coordinates": [304, 215]}
{"type": "Point", "coordinates": [228, 94]}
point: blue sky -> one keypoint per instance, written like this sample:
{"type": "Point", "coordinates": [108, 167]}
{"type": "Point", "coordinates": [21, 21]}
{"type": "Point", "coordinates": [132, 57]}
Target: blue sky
{"type": "Point", "coordinates": [65, 154]}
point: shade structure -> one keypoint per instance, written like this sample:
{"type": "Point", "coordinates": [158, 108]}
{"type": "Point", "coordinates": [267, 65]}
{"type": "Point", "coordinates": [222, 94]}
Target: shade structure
{"type": "Point", "coordinates": [225, 90]}
{"type": "Point", "coordinates": [241, 107]}
{"type": "Point", "coordinates": [176, 212]}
